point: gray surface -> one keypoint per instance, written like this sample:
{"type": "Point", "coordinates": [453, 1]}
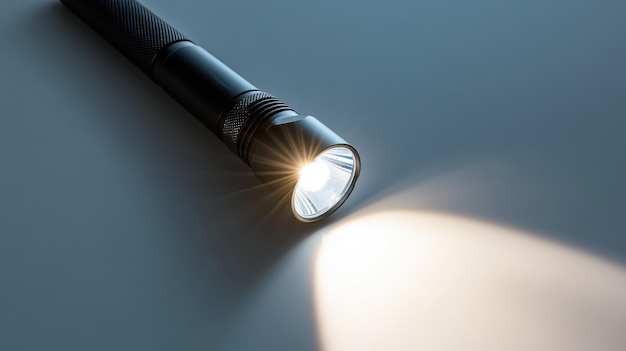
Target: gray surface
{"type": "Point", "coordinates": [125, 225]}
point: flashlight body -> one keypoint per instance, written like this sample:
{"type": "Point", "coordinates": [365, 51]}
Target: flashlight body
{"type": "Point", "coordinates": [264, 132]}
{"type": "Point", "coordinates": [198, 81]}
{"type": "Point", "coordinates": [221, 99]}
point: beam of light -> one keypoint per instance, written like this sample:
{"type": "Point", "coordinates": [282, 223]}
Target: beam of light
{"type": "Point", "coordinates": [408, 280]}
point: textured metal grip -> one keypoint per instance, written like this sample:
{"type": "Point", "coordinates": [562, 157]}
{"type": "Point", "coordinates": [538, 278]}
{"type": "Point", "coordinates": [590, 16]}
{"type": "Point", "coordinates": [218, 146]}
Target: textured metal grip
{"type": "Point", "coordinates": [252, 110]}
{"type": "Point", "coordinates": [133, 29]}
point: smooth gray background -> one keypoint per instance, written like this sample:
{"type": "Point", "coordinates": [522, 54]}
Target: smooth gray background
{"type": "Point", "coordinates": [124, 225]}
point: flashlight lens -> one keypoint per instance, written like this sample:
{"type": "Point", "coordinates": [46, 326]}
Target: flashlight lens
{"type": "Point", "coordinates": [324, 183]}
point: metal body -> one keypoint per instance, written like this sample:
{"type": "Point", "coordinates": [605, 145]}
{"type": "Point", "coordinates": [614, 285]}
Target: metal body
{"type": "Point", "coordinates": [263, 131]}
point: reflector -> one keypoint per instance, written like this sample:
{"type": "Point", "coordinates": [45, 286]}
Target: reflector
{"type": "Point", "coordinates": [325, 183]}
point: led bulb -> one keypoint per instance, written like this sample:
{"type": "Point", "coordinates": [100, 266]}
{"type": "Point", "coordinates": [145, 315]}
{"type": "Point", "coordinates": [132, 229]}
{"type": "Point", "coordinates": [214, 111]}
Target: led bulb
{"type": "Point", "coordinates": [314, 175]}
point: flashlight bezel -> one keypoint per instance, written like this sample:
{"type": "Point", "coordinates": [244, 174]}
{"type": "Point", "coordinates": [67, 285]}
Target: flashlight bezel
{"type": "Point", "coordinates": [343, 195]}
{"type": "Point", "coordinates": [279, 149]}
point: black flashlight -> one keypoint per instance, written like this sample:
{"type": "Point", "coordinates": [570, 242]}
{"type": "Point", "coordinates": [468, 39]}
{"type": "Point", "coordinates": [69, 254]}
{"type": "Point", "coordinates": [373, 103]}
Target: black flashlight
{"type": "Point", "coordinates": [298, 156]}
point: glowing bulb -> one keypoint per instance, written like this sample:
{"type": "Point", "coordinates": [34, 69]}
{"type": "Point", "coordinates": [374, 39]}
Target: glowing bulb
{"type": "Point", "coordinates": [314, 175]}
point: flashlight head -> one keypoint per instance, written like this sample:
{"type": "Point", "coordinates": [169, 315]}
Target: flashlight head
{"type": "Point", "coordinates": [305, 162]}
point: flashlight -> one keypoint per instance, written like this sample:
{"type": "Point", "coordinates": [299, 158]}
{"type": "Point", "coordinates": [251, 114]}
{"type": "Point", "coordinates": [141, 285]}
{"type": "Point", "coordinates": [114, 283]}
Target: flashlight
{"type": "Point", "coordinates": [296, 155]}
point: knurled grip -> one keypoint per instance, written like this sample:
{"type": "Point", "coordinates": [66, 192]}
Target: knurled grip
{"type": "Point", "coordinates": [130, 27]}
{"type": "Point", "coordinates": [246, 115]}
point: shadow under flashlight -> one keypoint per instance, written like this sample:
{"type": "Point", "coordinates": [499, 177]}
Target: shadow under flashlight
{"type": "Point", "coordinates": [296, 155]}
